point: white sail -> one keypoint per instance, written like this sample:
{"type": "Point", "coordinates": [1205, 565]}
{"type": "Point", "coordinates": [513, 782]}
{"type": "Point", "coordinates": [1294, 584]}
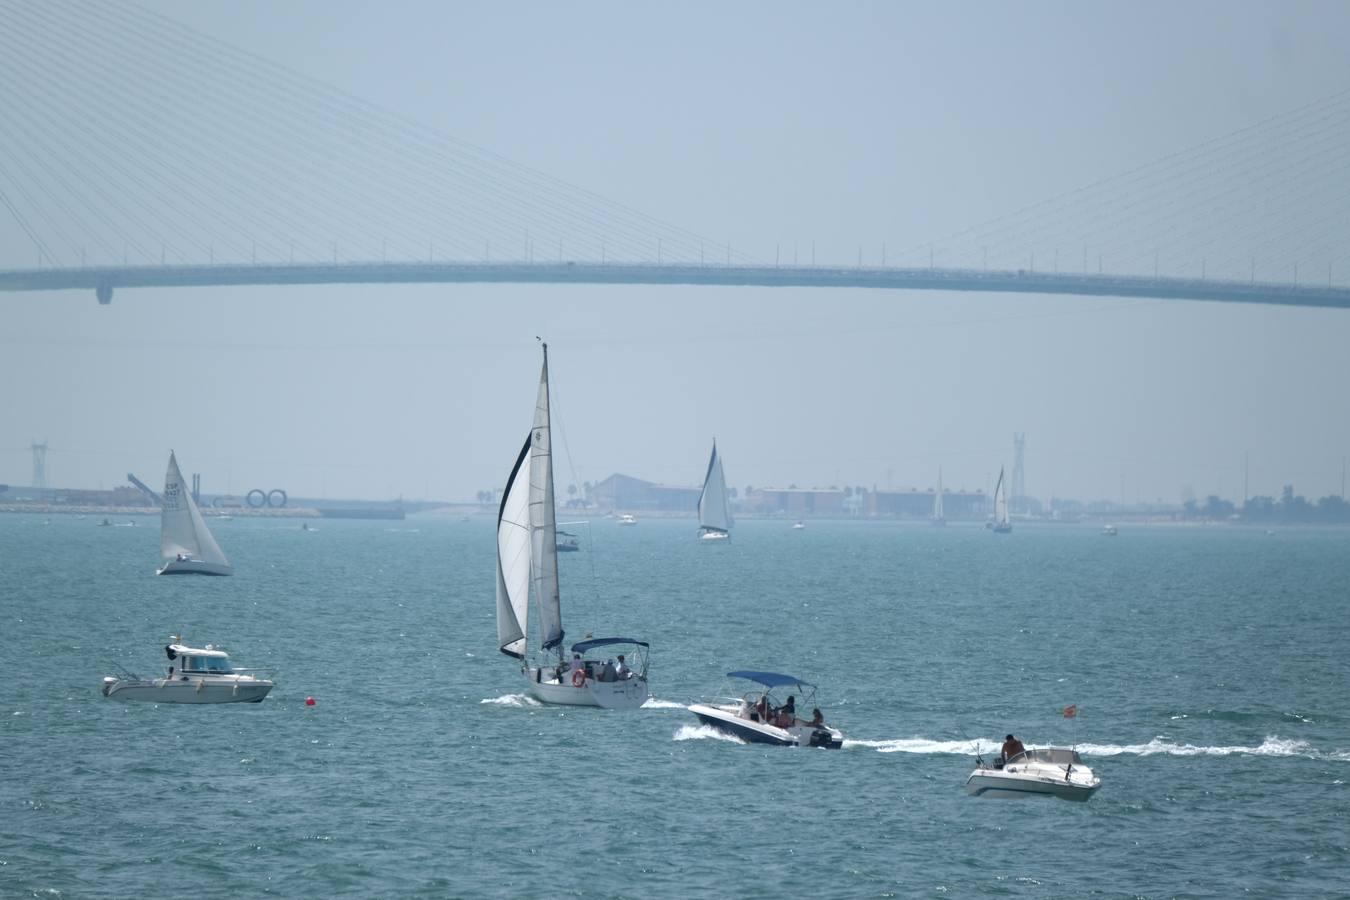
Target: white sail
{"type": "Point", "coordinates": [513, 556]}
{"type": "Point", "coordinates": [937, 501]}
{"type": "Point", "coordinates": [713, 512]}
{"type": "Point", "coordinates": [181, 528]}
{"type": "Point", "coordinates": [1000, 501]}
{"type": "Point", "coordinates": [543, 525]}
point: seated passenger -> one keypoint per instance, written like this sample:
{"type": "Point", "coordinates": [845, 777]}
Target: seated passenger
{"type": "Point", "coordinates": [607, 673]}
{"type": "Point", "coordinates": [817, 718]}
{"type": "Point", "coordinates": [1011, 747]}
{"type": "Point", "coordinates": [761, 713]}
{"type": "Point", "coordinates": [622, 671]}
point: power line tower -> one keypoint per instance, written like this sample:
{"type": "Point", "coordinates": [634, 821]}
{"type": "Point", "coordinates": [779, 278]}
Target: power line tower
{"type": "Point", "coordinates": [39, 464]}
{"type": "Point", "coordinates": [1018, 484]}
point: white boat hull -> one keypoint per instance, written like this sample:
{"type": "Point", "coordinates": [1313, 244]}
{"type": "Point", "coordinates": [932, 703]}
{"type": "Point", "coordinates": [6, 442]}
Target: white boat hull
{"type": "Point", "coordinates": [629, 693]}
{"type": "Point", "coordinates": [715, 536]}
{"type": "Point", "coordinates": [728, 721]}
{"type": "Point", "coordinates": [193, 567]}
{"type": "Point", "coordinates": [189, 689]}
{"type": "Point", "coordinates": [1080, 784]}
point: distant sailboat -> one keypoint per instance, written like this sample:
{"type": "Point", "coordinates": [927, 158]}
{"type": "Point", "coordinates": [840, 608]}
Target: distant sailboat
{"type": "Point", "coordinates": [527, 558]}
{"type": "Point", "coordinates": [938, 517]}
{"type": "Point", "coordinates": [714, 516]}
{"type": "Point", "coordinates": [1001, 523]}
{"type": "Point", "coordinates": [185, 543]}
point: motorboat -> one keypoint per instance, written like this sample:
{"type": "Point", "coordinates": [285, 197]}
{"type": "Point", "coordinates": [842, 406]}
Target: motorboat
{"type": "Point", "coordinates": [798, 525]}
{"type": "Point", "coordinates": [1109, 530]}
{"type": "Point", "coordinates": [105, 524]}
{"type": "Point", "coordinates": [568, 542]}
{"type": "Point", "coordinates": [1001, 524]}
{"type": "Point", "coordinates": [527, 570]}
{"type": "Point", "coordinates": [714, 513]}
{"type": "Point", "coordinates": [1047, 771]}
{"type": "Point", "coordinates": [594, 680]}
{"type": "Point", "coordinates": [185, 543]}
{"type": "Point", "coordinates": [627, 519]}
{"type": "Point", "coordinates": [196, 675]}
{"type": "Point", "coordinates": [755, 718]}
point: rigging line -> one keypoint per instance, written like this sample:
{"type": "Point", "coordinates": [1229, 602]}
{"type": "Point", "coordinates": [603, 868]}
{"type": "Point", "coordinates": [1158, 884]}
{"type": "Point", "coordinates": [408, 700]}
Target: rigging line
{"type": "Point", "coordinates": [552, 183]}
{"type": "Point", "coordinates": [1338, 97]}
{"type": "Point", "coordinates": [230, 163]}
{"type": "Point", "coordinates": [23, 223]}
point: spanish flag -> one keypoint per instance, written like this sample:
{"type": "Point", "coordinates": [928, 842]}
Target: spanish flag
{"type": "Point", "coordinates": [1071, 711]}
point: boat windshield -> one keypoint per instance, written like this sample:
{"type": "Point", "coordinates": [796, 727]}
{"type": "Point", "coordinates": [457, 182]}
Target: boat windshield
{"type": "Point", "coordinates": [215, 664]}
{"type": "Point", "coordinates": [1059, 756]}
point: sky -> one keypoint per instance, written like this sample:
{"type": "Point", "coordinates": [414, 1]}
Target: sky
{"type": "Point", "coordinates": [769, 126]}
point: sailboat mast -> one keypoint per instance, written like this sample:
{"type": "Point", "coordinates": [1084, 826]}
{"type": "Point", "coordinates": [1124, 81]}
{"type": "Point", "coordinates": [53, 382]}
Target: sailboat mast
{"type": "Point", "coordinates": [543, 520]}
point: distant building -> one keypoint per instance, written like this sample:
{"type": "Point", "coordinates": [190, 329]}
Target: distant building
{"type": "Point", "coordinates": [792, 501]}
{"type": "Point", "coordinates": [627, 494]}
{"type": "Point", "coordinates": [917, 504]}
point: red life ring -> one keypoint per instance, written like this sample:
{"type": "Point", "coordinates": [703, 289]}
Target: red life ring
{"type": "Point", "coordinates": [578, 677]}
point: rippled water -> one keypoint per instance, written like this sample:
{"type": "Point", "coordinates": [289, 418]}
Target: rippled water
{"type": "Point", "coordinates": [1211, 669]}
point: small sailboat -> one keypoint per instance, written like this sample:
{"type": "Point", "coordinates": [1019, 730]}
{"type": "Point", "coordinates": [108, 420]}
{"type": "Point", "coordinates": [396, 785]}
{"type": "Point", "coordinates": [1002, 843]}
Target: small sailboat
{"type": "Point", "coordinates": [1001, 523]}
{"type": "Point", "coordinates": [714, 516]}
{"type": "Point", "coordinates": [527, 563]}
{"type": "Point", "coordinates": [939, 518]}
{"type": "Point", "coordinates": [185, 543]}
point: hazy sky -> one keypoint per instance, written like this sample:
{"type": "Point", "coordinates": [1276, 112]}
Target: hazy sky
{"type": "Point", "coordinates": [765, 125]}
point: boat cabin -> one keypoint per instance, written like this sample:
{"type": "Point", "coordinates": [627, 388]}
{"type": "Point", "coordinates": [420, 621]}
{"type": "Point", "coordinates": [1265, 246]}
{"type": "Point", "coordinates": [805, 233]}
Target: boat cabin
{"type": "Point", "coordinates": [199, 660]}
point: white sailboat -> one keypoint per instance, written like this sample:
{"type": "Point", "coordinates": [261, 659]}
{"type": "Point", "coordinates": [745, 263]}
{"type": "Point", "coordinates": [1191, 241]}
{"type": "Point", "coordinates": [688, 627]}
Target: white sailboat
{"type": "Point", "coordinates": [527, 563]}
{"type": "Point", "coordinates": [939, 518]}
{"type": "Point", "coordinates": [185, 543]}
{"type": "Point", "coordinates": [1001, 523]}
{"type": "Point", "coordinates": [714, 515]}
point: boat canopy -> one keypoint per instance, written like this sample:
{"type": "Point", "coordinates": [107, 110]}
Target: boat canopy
{"type": "Point", "coordinates": [583, 646]}
{"type": "Point", "coordinates": [771, 679]}
{"type": "Point", "coordinates": [1060, 756]}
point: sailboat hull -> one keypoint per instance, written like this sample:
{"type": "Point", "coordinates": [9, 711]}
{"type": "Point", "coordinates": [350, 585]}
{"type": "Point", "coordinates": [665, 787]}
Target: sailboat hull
{"type": "Point", "coordinates": [193, 567]}
{"type": "Point", "coordinates": [629, 693]}
{"type": "Point", "coordinates": [715, 536]}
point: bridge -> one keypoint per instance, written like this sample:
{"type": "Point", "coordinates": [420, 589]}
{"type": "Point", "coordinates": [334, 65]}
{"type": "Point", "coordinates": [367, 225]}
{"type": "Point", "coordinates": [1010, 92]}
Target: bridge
{"type": "Point", "coordinates": [104, 280]}
{"type": "Point", "coordinates": [138, 153]}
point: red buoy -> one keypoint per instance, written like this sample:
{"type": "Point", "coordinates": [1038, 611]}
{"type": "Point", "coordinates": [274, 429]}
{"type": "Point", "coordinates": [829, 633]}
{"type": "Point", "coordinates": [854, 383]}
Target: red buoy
{"type": "Point", "coordinates": [309, 701]}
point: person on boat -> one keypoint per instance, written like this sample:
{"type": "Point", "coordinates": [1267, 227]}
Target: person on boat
{"type": "Point", "coordinates": [1011, 747]}
{"type": "Point", "coordinates": [761, 713]}
{"type": "Point", "coordinates": [787, 713]}
{"type": "Point", "coordinates": [182, 557]}
{"type": "Point", "coordinates": [817, 718]}
{"type": "Point", "coordinates": [577, 663]}
{"type": "Point", "coordinates": [608, 672]}
{"type": "Point", "coordinates": [622, 671]}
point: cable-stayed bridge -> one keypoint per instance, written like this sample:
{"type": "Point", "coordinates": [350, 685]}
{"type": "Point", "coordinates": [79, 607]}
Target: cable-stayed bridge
{"type": "Point", "coordinates": [138, 153]}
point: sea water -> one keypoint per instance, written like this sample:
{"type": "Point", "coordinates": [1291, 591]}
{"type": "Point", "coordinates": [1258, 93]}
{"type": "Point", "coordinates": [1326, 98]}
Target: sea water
{"type": "Point", "coordinates": [1210, 668]}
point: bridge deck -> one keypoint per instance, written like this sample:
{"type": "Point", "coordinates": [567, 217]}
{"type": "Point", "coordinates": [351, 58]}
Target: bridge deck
{"type": "Point", "coordinates": [104, 280]}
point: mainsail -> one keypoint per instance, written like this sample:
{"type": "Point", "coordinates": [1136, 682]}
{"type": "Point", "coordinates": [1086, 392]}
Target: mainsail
{"type": "Point", "coordinates": [181, 528]}
{"type": "Point", "coordinates": [513, 556]}
{"type": "Point", "coordinates": [543, 525]}
{"type": "Point", "coordinates": [1000, 501]}
{"type": "Point", "coordinates": [713, 513]}
{"type": "Point", "coordinates": [937, 500]}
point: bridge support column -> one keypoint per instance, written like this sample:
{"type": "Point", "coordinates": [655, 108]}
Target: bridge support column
{"type": "Point", "coordinates": [104, 293]}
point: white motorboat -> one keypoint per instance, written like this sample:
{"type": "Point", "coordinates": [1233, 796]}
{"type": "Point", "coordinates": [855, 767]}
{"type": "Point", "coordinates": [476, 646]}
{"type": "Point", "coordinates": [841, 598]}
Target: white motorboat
{"type": "Point", "coordinates": [185, 543]}
{"type": "Point", "coordinates": [756, 719]}
{"type": "Point", "coordinates": [798, 525]}
{"type": "Point", "coordinates": [196, 675]}
{"type": "Point", "coordinates": [1001, 524]}
{"type": "Point", "coordinates": [527, 563]}
{"type": "Point", "coordinates": [1109, 530]}
{"type": "Point", "coordinates": [939, 517]}
{"type": "Point", "coordinates": [568, 542]}
{"type": "Point", "coordinates": [1048, 771]}
{"type": "Point", "coordinates": [627, 519]}
{"type": "Point", "coordinates": [714, 515]}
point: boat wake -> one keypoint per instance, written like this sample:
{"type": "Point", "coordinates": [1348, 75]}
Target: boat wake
{"type": "Point", "coordinates": [1272, 746]}
{"type": "Point", "coordinates": [704, 733]}
{"type": "Point", "coordinates": [513, 700]}
{"type": "Point", "coordinates": [653, 703]}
